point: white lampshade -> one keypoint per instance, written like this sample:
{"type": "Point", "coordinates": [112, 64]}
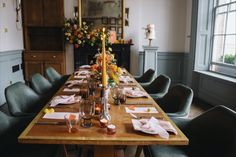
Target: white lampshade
{"type": "Point", "coordinates": [150, 34]}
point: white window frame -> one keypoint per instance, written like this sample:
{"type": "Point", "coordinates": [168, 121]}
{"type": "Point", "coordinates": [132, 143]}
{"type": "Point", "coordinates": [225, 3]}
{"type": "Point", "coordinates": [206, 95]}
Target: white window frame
{"type": "Point", "coordinates": [220, 67]}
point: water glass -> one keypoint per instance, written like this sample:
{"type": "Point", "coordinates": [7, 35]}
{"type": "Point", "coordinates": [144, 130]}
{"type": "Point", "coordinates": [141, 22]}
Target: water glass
{"type": "Point", "coordinates": [87, 109]}
{"type": "Point", "coordinates": [72, 122]}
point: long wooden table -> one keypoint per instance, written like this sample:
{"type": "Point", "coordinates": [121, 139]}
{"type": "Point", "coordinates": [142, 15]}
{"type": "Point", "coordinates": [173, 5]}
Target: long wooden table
{"type": "Point", "coordinates": [96, 136]}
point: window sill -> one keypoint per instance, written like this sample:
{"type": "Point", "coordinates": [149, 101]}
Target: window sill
{"type": "Point", "coordinates": [218, 76]}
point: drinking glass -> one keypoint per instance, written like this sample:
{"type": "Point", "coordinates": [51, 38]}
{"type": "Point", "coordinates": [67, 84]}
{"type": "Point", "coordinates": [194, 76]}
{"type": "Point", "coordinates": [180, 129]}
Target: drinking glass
{"type": "Point", "coordinates": [87, 109]}
{"type": "Point", "coordinates": [72, 122]}
{"type": "Point", "coordinates": [122, 96]}
{"type": "Point", "coordinates": [115, 95]}
{"type": "Point", "coordinates": [92, 85]}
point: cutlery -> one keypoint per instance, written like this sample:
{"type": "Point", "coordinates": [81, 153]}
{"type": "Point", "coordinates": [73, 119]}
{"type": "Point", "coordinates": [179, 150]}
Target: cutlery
{"type": "Point", "coordinates": [50, 123]}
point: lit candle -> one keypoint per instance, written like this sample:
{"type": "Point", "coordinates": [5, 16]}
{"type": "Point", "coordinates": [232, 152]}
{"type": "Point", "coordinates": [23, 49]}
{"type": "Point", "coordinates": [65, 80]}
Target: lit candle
{"type": "Point", "coordinates": [104, 73]}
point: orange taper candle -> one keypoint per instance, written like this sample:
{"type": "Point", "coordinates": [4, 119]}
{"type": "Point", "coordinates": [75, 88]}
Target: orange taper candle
{"type": "Point", "coordinates": [104, 72]}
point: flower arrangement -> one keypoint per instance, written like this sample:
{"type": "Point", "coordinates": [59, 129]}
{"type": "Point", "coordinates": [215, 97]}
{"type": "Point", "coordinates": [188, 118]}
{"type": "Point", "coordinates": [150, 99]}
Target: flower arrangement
{"type": "Point", "coordinates": [83, 36]}
{"type": "Point", "coordinates": [113, 71]}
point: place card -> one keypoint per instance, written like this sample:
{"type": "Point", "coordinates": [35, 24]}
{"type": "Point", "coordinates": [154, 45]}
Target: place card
{"type": "Point", "coordinates": [132, 109]}
{"type": "Point", "coordinates": [58, 115]}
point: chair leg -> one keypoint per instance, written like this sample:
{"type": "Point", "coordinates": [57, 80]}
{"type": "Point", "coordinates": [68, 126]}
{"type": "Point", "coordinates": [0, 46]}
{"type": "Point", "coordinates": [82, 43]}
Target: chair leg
{"type": "Point", "coordinates": [138, 151]}
{"type": "Point", "coordinates": [65, 151]}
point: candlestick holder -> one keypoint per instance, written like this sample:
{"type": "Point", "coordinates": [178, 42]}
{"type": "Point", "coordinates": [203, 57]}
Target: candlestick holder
{"type": "Point", "coordinates": [105, 112]}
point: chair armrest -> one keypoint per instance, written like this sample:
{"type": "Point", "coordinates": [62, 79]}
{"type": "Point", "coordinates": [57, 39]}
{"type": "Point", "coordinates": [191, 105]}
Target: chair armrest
{"type": "Point", "coordinates": [181, 122]}
{"type": "Point", "coordinates": [145, 85]}
{"type": "Point", "coordinates": [179, 114]}
{"type": "Point", "coordinates": [136, 77]}
{"type": "Point", "coordinates": [157, 96]}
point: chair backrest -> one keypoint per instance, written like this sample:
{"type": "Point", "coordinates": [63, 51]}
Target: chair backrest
{"type": "Point", "coordinates": [213, 133]}
{"type": "Point", "coordinates": [40, 84]}
{"type": "Point", "coordinates": [10, 129]}
{"type": "Point", "coordinates": [160, 85]}
{"type": "Point", "coordinates": [21, 99]}
{"type": "Point", "coordinates": [147, 76]}
{"type": "Point", "coordinates": [52, 75]}
{"type": "Point", "coordinates": [177, 100]}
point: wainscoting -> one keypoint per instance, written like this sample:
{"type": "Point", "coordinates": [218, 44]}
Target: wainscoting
{"type": "Point", "coordinates": [172, 64]}
{"type": "Point", "coordinates": [10, 70]}
{"type": "Point", "coordinates": [215, 89]}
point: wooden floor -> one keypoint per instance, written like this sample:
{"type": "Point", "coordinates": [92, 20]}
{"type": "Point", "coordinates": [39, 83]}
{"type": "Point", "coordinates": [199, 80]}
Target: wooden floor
{"type": "Point", "coordinates": [197, 108]}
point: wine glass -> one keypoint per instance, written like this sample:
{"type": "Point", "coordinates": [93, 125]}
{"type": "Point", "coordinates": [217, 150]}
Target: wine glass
{"type": "Point", "coordinates": [87, 109]}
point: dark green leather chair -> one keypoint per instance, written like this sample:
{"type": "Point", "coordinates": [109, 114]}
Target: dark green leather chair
{"type": "Point", "coordinates": [22, 100]}
{"type": "Point", "coordinates": [177, 102]}
{"type": "Point", "coordinates": [42, 86]}
{"type": "Point", "coordinates": [55, 78]}
{"type": "Point", "coordinates": [212, 134]}
{"type": "Point", "coordinates": [147, 77]}
{"type": "Point", "coordinates": [11, 128]}
{"type": "Point", "coordinates": [159, 87]}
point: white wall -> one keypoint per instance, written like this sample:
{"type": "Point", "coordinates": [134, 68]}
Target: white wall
{"type": "Point", "coordinates": [11, 34]}
{"type": "Point", "coordinates": [169, 17]}
{"type": "Point", "coordinates": [188, 25]}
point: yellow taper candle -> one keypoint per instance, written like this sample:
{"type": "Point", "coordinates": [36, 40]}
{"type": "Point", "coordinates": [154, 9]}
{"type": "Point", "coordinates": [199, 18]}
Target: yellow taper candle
{"type": "Point", "coordinates": [104, 71]}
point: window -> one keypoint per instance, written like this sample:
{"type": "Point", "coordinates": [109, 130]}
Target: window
{"type": "Point", "coordinates": [224, 38]}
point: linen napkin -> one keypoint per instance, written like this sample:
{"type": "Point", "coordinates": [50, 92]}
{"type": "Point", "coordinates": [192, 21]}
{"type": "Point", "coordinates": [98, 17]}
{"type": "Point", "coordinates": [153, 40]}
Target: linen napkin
{"type": "Point", "coordinates": [125, 79]}
{"type": "Point", "coordinates": [85, 67]}
{"type": "Point", "coordinates": [71, 90]}
{"type": "Point", "coordinates": [64, 99]}
{"type": "Point", "coordinates": [154, 126]}
{"type": "Point", "coordinates": [72, 83]}
{"type": "Point", "coordinates": [80, 76]}
{"type": "Point", "coordinates": [82, 72]}
{"type": "Point", "coordinates": [135, 93]}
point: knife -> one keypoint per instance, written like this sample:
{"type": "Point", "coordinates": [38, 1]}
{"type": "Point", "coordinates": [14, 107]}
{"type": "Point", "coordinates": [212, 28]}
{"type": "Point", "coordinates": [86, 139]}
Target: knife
{"type": "Point", "coordinates": [50, 123]}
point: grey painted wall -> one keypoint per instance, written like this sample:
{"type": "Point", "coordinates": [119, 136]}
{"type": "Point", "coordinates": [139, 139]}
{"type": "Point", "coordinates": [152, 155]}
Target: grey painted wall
{"type": "Point", "coordinates": [8, 59]}
{"type": "Point", "coordinates": [170, 63]}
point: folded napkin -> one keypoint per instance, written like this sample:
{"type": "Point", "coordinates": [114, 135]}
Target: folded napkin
{"type": "Point", "coordinates": [85, 67]}
{"type": "Point", "coordinates": [72, 83]}
{"type": "Point", "coordinates": [125, 79]}
{"type": "Point", "coordinates": [82, 72]}
{"type": "Point", "coordinates": [80, 76]}
{"type": "Point", "coordinates": [135, 93]}
{"type": "Point", "coordinates": [64, 99]}
{"type": "Point", "coordinates": [154, 126]}
{"type": "Point", "coordinates": [71, 90]}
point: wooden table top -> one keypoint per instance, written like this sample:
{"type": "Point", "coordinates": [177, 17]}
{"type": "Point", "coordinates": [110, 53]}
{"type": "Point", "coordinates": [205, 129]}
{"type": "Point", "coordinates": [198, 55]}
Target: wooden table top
{"type": "Point", "coordinates": [125, 133]}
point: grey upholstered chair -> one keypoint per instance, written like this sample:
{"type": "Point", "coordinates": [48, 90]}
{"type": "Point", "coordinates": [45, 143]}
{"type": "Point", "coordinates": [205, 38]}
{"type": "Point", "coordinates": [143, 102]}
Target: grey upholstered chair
{"type": "Point", "coordinates": [177, 102]}
{"type": "Point", "coordinates": [22, 100]}
{"type": "Point", "coordinates": [212, 134]}
{"type": "Point", "coordinates": [159, 87]}
{"type": "Point", "coordinates": [55, 78]}
{"type": "Point", "coordinates": [42, 86]}
{"type": "Point", "coordinates": [11, 128]}
{"type": "Point", "coordinates": [147, 77]}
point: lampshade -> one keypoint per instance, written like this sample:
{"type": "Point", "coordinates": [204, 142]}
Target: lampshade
{"type": "Point", "coordinates": [150, 33]}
